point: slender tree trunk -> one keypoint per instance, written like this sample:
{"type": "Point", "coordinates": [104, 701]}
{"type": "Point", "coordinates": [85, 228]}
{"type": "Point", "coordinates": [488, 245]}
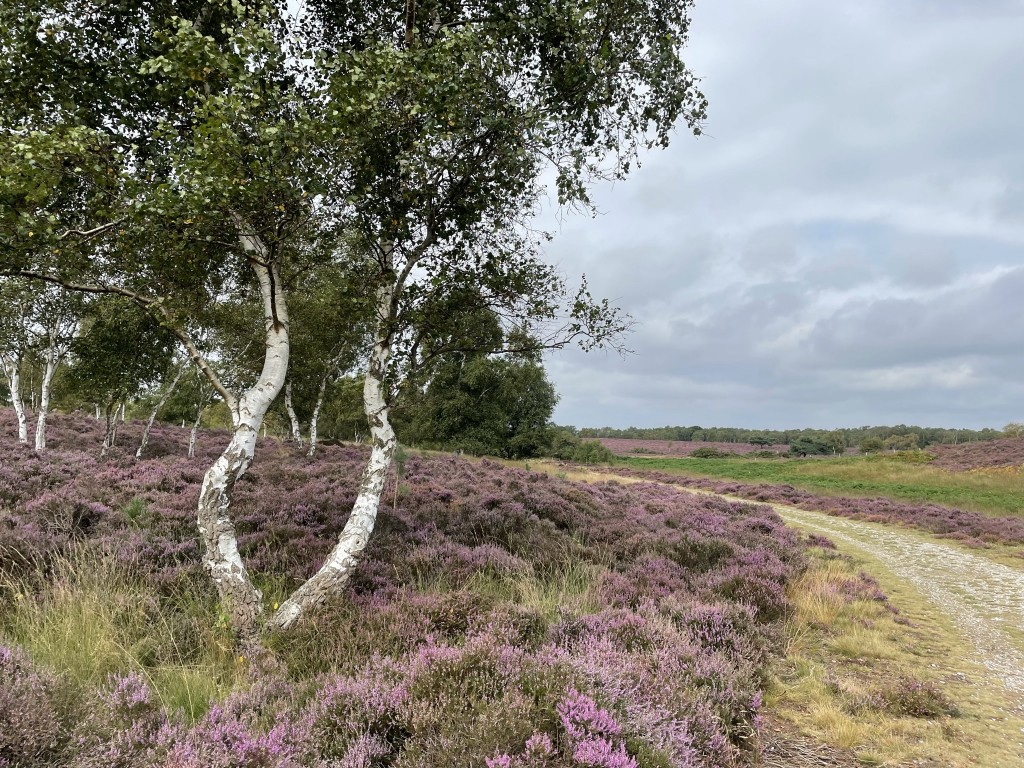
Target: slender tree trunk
{"type": "Point", "coordinates": [296, 430]}
{"type": "Point", "coordinates": [110, 432]}
{"type": "Point", "coordinates": [120, 412]}
{"type": "Point", "coordinates": [195, 429]}
{"type": "Point", "coordinates": [98, 414]}
{"type": "Point", "coordinates": [12, 367]}
{"type": "Point", "coordinates": [52, 361]}
{"type": "Point", "coordinates": [344, 558]}
{"type": "Point", "coordinates": [314, 420]}
{"type": "Point", "coordinates": [240, 598]}
{"type": "Point", "coordinates": [156, 409]}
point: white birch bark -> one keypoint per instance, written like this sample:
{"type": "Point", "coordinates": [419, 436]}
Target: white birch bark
{"type": "Point", "coordinates": [192, 434]}
{"type": "Point", "coordinates": [345, 556]}
{"type": "Point", "coordinates": [52, 361]}
{"type": "Point", "coordinates": [239, 596]}
{"type": "Point", "coordinates": [110, 432]}
{"type": "Point", "coordinates": [296, 430]}
{"type": "Point", "coordinates": [156, 409]}
{"type": "Point", "coordinates": [12, 367]}
{"type": "Point", "coordinates": [314, 420]}
{"type": "Point", "coordinates": [98, 414]}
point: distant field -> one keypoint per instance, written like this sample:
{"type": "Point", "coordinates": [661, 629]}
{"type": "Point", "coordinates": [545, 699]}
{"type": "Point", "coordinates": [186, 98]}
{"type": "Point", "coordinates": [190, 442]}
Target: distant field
{"type": "Point", "coordinates": [626, 447]}
{"type": "Point", "coordinates": [995, 492]}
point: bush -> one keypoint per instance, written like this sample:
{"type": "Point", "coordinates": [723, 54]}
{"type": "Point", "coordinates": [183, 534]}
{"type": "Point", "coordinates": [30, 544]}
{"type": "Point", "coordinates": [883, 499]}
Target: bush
{"type": "Point", "coordinates": [710, 453]}
{"type": "Point", "coordinates": [910, 697]}
{"type": "Point", "coordinates": [30, 731]}
{"type": "Point", "coordinates": [913, 457]}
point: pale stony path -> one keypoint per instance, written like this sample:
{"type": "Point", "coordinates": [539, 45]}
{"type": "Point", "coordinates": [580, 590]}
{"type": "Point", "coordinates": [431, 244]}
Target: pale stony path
{"type": "Point", "coordinates": [984, 598]}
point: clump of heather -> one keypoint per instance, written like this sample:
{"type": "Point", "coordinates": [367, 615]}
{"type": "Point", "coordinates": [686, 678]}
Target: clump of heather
{"type": "Point", "coordinates": [31, 731]}
{"type": "Point", "coordinates": [500, 617]}
{"type": "Point", "coordinates": [983, 454]}
{"type": "Point", "coordinates": [910, 697]}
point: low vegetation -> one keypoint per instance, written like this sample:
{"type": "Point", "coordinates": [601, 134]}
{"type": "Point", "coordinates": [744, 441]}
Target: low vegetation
{"type": "Point", "coordinates": [871, 670]}
{"type": "Point", "coordinates": [897, 477]}
{"type": "Point", "coordinates": [501, 617]}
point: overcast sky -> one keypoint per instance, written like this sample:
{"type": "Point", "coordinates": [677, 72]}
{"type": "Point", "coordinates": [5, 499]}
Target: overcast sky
{"type": "Point", "coordinates": [844, 247]}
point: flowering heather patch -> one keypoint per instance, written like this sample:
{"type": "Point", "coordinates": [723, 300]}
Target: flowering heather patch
{"type": "Point", "coordinates": [984, 454]}
{"type": "Point", "coordinates": [500, 617]}
{"type": "Point", "coordinates": [622, 446]}
{"type": "Point", "coordinates": [971, 528]}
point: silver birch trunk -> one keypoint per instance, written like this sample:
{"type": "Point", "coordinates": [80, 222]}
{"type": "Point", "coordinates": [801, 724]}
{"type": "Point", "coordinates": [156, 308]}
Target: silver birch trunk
{"type": "Point", "coordinates": [344, 558]}
{"type": "Point", "coordinates": [192, 434]}
{"type": "Point", "coordinates": [156, 409]}
{"type": "Point", "coordinates": [110, 432]}
{"type": "Point", "coordinates": [52, 361]}
{"type": "Point", "coordinates": [314, 420]}
{"type": "Point", "coordinates": [12, 367]}
{"type": "Point", "coordinates": [239, 597]}
{"type": "Point", "coordinates": [296, 430]}
{"type": "Point", "coordinates": [98, 414]}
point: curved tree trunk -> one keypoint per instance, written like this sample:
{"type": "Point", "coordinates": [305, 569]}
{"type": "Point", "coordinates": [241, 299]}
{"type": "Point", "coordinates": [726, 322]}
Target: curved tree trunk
{"type": "Point", "coordinates": [240, 598]}
{"type": "Point", "coordinates": [12, 367]}
{"type": "Point", "coordinates": [156, 409]}
{"type": "Point", "coordinates": [296, 429]}
{"type": "Point", "coordinates": [52, 361]}
{"type": "Point", "coordinates": [314, 420]}
{"type": "Point", "coordinates": [344, 558]}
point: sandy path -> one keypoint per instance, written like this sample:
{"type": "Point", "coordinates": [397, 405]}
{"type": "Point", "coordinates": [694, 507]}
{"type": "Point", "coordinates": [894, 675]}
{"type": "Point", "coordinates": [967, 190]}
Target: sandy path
{"type": "Point", "coordinates": [985, 599]}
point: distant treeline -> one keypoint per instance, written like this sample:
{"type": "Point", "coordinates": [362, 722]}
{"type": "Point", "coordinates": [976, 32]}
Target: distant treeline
{"type": "Point", "coordinates": [846, 437]}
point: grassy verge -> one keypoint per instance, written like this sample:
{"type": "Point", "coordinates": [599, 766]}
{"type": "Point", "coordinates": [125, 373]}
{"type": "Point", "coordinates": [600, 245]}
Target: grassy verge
{"type": "Point", "coordinates": [994, 492]}
{"type": "Point", "coordinates": [892, 687]}
{"type": "Point", "coordinates": [89, 619]}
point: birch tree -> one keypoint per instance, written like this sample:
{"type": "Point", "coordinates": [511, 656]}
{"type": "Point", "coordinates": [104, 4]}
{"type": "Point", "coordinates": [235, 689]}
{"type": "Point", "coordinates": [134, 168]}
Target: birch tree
{"type": "Point", "coordinates": [165, 395]}
{"type": "Point", "coordinates": [121, 351]}
{"type": "Point", "coordinates": [55, 323]}
{"type": "Point", "coordinates": [478, 99]}
{"type": "Point", "coordinates": [228, 144]}
{"type": "Point", "coordinates": [15, 343]}
{"type": "Point", "coordinates": [331, 330]}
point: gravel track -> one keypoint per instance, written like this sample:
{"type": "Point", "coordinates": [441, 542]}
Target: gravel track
{"type": "Point", "coordinates": [982, 597]}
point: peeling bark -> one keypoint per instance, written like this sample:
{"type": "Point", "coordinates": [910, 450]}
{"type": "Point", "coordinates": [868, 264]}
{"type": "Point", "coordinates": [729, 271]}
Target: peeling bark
{"type": "Point", "coordinates": [12, 367]}
{"type": "Point", "coordinates": [239, 597]}
{"type": "Point", "coordinates": [345, 556]}
{"type": "Point", "coordinates": [156, 409]}
{"type": "Point", "coordinates": [296, 429]}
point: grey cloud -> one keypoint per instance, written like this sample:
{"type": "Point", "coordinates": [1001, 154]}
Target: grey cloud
{"type": "Point", "coordinates": [821, 258]}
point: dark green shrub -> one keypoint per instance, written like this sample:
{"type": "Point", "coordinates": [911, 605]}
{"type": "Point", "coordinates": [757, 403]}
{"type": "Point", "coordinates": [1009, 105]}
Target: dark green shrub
{"type": "Point", "coordinates": [710, 453]}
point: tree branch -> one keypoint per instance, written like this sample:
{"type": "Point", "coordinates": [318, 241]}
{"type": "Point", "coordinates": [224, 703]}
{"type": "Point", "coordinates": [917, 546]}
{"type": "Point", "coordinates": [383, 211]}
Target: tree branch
{"type": "Point", "coordinates": [85, 234]}
{"type": "Point", "coordinates": [153, 306]}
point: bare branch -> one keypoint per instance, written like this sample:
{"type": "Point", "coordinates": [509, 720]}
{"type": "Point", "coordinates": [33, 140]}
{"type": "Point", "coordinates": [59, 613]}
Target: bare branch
{"type": "Point", "coordinates": [85, 234]}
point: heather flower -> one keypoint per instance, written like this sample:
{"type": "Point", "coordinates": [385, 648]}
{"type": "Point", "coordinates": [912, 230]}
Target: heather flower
{"type": "Point", "coordinates": [30, 729]}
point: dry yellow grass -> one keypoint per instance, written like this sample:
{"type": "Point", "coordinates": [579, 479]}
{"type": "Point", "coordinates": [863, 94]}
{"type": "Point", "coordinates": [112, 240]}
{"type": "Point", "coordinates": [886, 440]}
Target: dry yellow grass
{"type": "Point", "coordinates": [841, 653]}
